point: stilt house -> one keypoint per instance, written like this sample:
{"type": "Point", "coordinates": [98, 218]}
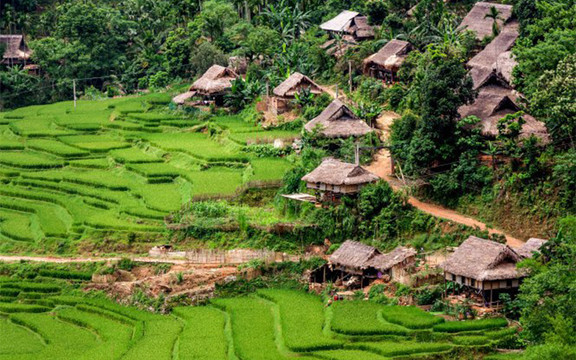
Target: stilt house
{"type": "Point", "coordinates": [211, 86]}
{"type": "Point", "coordinates": [16, 52]}
{"type": "Point", "coordinates": [338, 121]}
{"type": "Point", "coordinates": [334, 178]}
{"type": "Point", "coordinates": [485, 267]}
{"type": "Point", "coordinates": [285, 93]}
{"type": "Point", "coordinates": [385, 63]}
{"type": "Point", "coordinates": [349, 23]}
{"type": "Point", "coordinates": [357, 264]}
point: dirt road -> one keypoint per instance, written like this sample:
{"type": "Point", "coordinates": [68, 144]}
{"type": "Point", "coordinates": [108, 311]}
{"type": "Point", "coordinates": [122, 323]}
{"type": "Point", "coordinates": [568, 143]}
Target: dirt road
{"type": "Point", "coordinates": [381, 166]}
{"type": "Point", "coordinates": [65, 260]}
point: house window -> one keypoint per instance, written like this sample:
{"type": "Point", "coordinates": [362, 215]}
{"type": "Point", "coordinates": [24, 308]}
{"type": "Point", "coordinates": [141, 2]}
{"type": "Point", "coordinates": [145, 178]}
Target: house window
{"type": "Point", "coordinates": [472, 282]}
{"type": "Point", "coordinates": [453, 277]}
{"type": "Point", "coordinates": [509, 283]}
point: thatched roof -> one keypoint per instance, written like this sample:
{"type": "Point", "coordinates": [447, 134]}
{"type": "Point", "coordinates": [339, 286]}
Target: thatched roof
{"type": "Point", "coordinates": [483, 64]}
{"type": "Point", "coordinates": [336, 172]}
{"type": "Point", "coordinates": [353, 254]}
{"type": "Point", "coordinates": [384, 262]}
{"type": "Point", "coordinates": [390, 56]}
{"type": "Point", "coordinates": [294, 83]}
{"type": "Point", "coordinates": [181, 99]}
{"type": "Point", "coordinates": [477, 21]}
{"type": "Point", "coordinates": [349, 22]}
{"type": "Point", "coordinates": [482, 260]}
{"type": "Point", "coordinates": [15, 48]}
{"type": "Point", "coordinates": [337, 120]}
{"type": "Point", "coordinates": [532, 245]}
{"type": "Point", "coordinates": [495, 102]}
{"type": "Point", "coordinates": [504, 66]}
{"type": "Point", "coordinates": [215, 80]}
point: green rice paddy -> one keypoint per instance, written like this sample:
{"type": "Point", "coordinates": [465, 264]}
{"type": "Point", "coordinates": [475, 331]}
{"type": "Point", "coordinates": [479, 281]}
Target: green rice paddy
{"type": "Point", "coordinates": [38, 322]}
{"type": "Point", "coordinates": [118, 165]}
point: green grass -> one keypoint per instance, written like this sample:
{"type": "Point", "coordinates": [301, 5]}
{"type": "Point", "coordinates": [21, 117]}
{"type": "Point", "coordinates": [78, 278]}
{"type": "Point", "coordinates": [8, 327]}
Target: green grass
{"type": "Point", "coordinates": [302, 319]}
{"type": "Point", "coordinates": [471, 325]}
{"type": "Point", "coordinates": [116, 164]}
{"type": "Point", "coordinates": [203, 335]}
{"type": "Point", "coordinates": [405, 348]}
{"type": "Point", "coordinates": [410, 317]}
{"type": "Point", "coordinates": [16, 339]}
{"type": "Point", "coordinates": [347, 355]}
{"type": "Point", "coordinates": [362, 318]}
{"type": "Point", "coordinates": [470, 340]}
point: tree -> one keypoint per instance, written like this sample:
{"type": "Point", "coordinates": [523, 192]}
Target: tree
{"type": "Point", "coordinates": [205, 55]}
{"type": "Point", "coordinates": [554, 101]}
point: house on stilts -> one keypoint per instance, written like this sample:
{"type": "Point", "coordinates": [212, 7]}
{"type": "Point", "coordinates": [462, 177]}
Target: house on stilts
{"type": "Point", "coordinates": [338, 121]}
{"type": "Point", "coordinates": [285, 94]}
{"type": "Point", "coordinates": [488, 268]}
{"type": "Point", "coordinates": [346, 30]}
{"type": "Point", "coordinates": [333, 178]}
{"type": "Point", "coordinates": [356, 265]}
{"type": "Point", "coordinates": [385, 63]}
{"type": "Point", "coordinates": [211, 87]}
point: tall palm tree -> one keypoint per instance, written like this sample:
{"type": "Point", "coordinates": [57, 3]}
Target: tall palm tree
{"type": "Point", "coordinates": [494, 14]}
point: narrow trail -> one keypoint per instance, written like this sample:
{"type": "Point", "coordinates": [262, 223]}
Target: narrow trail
{"type": "Point", "coordinates": [381, 166]}
{"type": "Point", "coordinates": [65, 260]}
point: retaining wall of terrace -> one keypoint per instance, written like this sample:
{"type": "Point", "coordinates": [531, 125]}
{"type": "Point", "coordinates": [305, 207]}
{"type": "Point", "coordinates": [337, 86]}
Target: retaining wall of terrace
{"type": "Point", "coordinates": [228, 257]}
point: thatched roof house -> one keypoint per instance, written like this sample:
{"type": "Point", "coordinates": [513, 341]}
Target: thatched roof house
{"type": "Point", "coordinates": [294, 84]}
{"type": "Point", "coordinates": [16, 52]}
{"type": "Point", "coordinates": [216, 80]}
{"type": "Point", "coordinates": [495, 102]}
{"type": "Point", "coordinates": [337, 177]}
{"type": "Point", "coordinates": [338, 121]}
{"type": "Point", "coordinates": [530, 247]}
{"type": "Point", "coordinates": [483, 260]}
{"type": "Point", "coordinates": [483, 65]}
{"type": "Point", "coordinates": [385, 63]}
{"type": "Point", "coordinates": [349, 22]}
{"type": "Point", "coordinates": [477, 21]}
{"type": "Point", "coordinates": [353, 256]}
{"type": "Point", "coordinates": [359, 259]}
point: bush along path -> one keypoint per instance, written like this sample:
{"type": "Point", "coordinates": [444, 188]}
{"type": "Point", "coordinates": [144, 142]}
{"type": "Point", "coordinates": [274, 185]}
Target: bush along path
{"type": "Point", "coordinates": [381, 166]}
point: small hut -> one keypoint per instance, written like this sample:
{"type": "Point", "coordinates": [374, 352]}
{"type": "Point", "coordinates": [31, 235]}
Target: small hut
{"type": "Point", "coordinates": [385, 63]}
{"type": "Point", "coordinates": [477, 21]}
{"type": "Point", "coordinates": [16, 52]}
{"type": "Point", "coordinates": [495, 102]}
{"type": "Point", "coordinates": [485, 267]}
{"type": "Point", "coordinates": [334, 178]}
{"type": "Point", "coordinates": [530, 247]}
{"type": "Point", "coordinates": [338, 121]}
{"type": "Point", "coordinates": [285, 93]}
{"type": "Point", "coordinates": [355, 263]}
{"type": "Point", "coordinates": [212, 86]}
{"type": "Point", "coordinates": [483, 65]}
{"type": "Point", "coordinates": [349, 23]}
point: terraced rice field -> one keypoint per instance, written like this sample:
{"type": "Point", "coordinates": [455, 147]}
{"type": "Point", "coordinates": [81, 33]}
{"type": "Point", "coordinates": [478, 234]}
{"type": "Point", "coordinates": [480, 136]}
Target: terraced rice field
{"type": "Point", "coordinates": [38, 322]}
{"type": "Point", "coordinates": [117, 165]}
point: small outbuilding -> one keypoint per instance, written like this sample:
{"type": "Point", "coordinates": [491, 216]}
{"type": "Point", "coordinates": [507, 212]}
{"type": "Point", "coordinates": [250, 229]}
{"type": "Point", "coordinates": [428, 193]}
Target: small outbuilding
{"type": "Point", "coordinates": [531, 247]}
{"type": "Point", "coordinates": [334, 178]}
{"type": "Point", "coordinates": [477, 21]}
{"type": "Point", "coordinates": [349, 23]}
{"type": "Point", "coordinates": [211, 86]}
{"type": "Point", "coordinates": [285, 93]}
{"type": "Point", "coordinates": [16, 51]}
{"type": "Point", "coordinates": [356, 264]}
{"type": "Point", "coordinates": [385, 63]}
{"type": "Point", "coordinates": [485, 267]}
{"type": "Point", "coordinates": [338, 121]}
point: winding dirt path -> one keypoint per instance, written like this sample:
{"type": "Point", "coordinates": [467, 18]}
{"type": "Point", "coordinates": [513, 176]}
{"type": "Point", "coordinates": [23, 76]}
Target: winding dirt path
{"type": "Point", "coordinates": [65, 260]}
{"type": "Point", "coordinates": [381, 166]}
